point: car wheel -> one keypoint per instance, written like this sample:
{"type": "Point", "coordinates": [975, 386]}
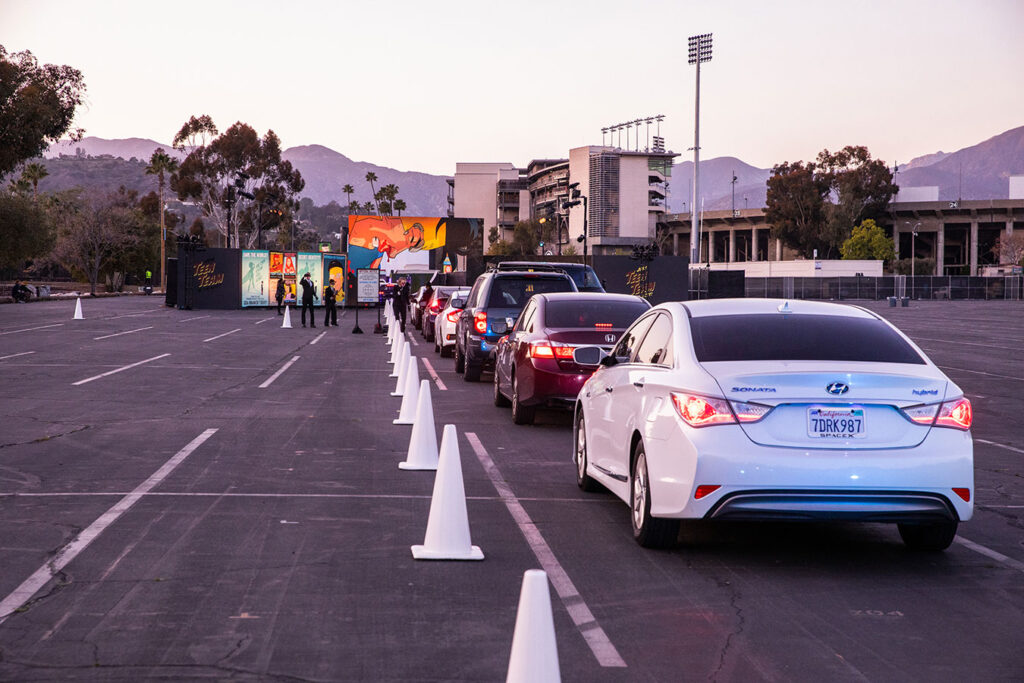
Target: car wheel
{"type": "Point", "coordinates": [934, 536]}
{"type": "Point", "coordinates": [583, 480]}
{"type": "Point", "coordinates": [499, 398]}
{"type": "Point", "coordinates": [473, 370]}
{"type": "Point", "coordinates": [648, 531]}
{"type": "Point", "coordinates": [437, 345]}
{"type": "Point", "coordinates": [521, 415]}
{"type": "Point", "coordinates": [447, 351]}
{"type": "Point", "coordinates": [460, 361]}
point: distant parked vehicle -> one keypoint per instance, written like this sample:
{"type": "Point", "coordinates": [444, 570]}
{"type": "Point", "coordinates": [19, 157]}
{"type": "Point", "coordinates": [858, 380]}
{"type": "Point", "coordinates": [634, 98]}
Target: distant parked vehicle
{"type": "Point", "coordinates": [534, 366]}
{"type": "Point", "coordinates": [583, 275]}
{"type": "Point", "coordinates": [438, 299]}
{"type": "Point", "coordinates": [444, 324]}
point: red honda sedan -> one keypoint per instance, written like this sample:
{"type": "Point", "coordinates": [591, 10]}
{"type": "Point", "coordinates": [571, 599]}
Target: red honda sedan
{"type": "Point", "coordinates": [534, 366]}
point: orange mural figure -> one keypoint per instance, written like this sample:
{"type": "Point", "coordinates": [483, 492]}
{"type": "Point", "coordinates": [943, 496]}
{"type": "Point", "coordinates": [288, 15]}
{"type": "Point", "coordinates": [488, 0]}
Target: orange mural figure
{"type": "Point", "coordinates": [371, 238]}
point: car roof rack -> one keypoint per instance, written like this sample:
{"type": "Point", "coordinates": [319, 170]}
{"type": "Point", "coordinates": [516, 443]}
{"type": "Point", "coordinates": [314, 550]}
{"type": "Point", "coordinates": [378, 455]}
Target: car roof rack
{"type": "Point", "coordinates": [526, 267]}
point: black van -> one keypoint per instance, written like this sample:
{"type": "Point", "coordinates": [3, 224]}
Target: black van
{"type": "Point", "coordinates": [581, 274]}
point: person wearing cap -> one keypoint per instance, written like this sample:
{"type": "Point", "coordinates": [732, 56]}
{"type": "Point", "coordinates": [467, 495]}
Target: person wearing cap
{"type": "Point", "coordinates": [330, 305]}
{"type": "Point", "coordinates": [308, 294]}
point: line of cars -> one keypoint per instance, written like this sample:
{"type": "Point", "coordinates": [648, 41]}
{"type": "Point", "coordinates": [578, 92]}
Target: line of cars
{"type": "Point", "coordinates": [729, 409]}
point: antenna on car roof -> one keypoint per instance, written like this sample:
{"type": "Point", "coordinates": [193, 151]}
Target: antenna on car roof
{"type": "Point", "coordinates": [784, 308]}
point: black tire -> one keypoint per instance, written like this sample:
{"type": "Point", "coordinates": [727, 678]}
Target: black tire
{"type": "Point", "coordinates": [447, 351]}
{"type": "Point", "coordinates": [579, 439]}
{"type": "Point", "coordinates": [933, 537]}
{"type": "Point", "coordinates": [521, 415]}
{"type": "Point", "coordinates": [437, 345]}
{"type": "Point", "coordinates": [649, 532]}
{"type": "Point", "coordinates": [460, 360]}
{"type": "Point", "coordinates": [473, 371]}
{"type": "Point", "coordinates": [499, 398]}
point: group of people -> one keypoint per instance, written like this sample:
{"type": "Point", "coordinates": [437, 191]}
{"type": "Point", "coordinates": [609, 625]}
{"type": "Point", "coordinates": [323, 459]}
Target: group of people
{"type": "Point", "coordinates": [20, 293]}
{"type": "Point", "coordinates": [309, 295]}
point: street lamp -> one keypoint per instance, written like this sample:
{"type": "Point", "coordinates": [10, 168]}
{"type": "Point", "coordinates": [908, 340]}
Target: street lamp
{"type": "Point", "coordinates": [699, 52]}
{"type": "Point", "coordinates": [913, 256]}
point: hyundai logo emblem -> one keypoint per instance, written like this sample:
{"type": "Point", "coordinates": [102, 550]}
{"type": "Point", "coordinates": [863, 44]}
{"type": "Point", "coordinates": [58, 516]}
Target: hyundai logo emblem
{"type": "Point", "coordinates": [837, 388]}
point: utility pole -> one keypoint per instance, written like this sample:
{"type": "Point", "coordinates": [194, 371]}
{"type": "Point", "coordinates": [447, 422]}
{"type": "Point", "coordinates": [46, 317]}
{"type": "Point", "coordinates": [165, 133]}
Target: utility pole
{"type": "Point", "coordinates": [700, 51]}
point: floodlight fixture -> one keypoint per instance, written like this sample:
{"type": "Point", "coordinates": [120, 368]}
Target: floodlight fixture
{"type": "Point", "coordinates": [699, 52]}
{"type": "Point", "coordinates": [699, 48]}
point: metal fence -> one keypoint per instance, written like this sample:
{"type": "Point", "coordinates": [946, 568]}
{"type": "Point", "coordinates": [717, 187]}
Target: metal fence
{"type": "Point", "coordinates": [954, 287]}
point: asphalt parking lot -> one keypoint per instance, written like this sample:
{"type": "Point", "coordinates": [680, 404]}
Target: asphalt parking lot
{"type": "Point", "coordinates": [224, 526]}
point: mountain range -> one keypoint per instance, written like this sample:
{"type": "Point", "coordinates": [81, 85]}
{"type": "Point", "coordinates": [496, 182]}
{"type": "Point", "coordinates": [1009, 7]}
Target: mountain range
{"type": "Point", "coordinates": [980, 171]}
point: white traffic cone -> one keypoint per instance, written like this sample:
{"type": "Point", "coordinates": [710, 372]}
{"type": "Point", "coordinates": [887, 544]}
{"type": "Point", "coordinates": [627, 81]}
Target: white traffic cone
{"type": "Point", "coordinates": [400, 354]}
{"type": "Point", "coordinates": [534, 650]}
{"type": "Point", "coordinates": [422, 453]}
{"type": "Point", "coordinates": [402, 368]}
{"type": "Point", "coordinates": [287, 322]}
{"type": "Point", "coordinates": [407, 414]}
{"type": "Point", "coordinates": [394, 349]}
{"type": "Point", "coordinates": [447, 536]}
{"type": "Point", "coordinates": [78, 310]}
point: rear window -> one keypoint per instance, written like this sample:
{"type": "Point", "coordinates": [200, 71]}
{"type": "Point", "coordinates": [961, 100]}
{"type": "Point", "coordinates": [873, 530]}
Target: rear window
{"type": "Point", "coordinates": [798, 337]}
{"type": "Point", "coordinates": [593, 314]}
{"type": "Point", "coordinates": [514, 292]}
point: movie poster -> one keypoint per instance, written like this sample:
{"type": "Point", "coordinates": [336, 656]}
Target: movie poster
{"type": "Point", "coordinates": [312, 264]}
{"type": "Point", "coordinates": [390, 242]}
{"type": "Point", "coordinates": [334, 269]}
{"type": "Point", "coordinates": [255, 278]}
{"type": "Point", "coordinates": [282, 267]}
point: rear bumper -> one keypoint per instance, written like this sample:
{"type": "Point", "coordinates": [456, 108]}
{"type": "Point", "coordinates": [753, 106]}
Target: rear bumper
{"type": "Point", "coordinates": [809, 505]}
{"type": "Point", "coordinates": [553, 389]}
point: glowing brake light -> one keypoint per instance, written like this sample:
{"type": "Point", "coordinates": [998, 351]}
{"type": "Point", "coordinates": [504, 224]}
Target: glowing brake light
{"type": "Point", "coordinates": [956, 414]}
{"type": "Point", "coordinates": [702, 411]}
{"type": "Point", "coordinates": [480, 322]}
{"type": "Point", "coordinates": [436, 306]}
{"type": "Point", "coordinates": [603, 325]}
{"type": "Point", "coordinates": [546, 349]}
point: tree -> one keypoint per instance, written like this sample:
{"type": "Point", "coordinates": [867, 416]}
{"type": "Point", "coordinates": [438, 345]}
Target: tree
{"type": "Point", "coordinates": [221, 169]}
{"type": "Point", "coordinates": [37, 106]}
{"type": "Point", "coordinates": [868, 241]}
{"type": "Point", "coordinates": [26, 230]}
{"type": "Point", "coordinates": [161, 163]}
{"type": "Point", "coordinates": [1009, 248]}
{"type": "Point", "coordinates": [33, 173]}
{"type": "Point", "coordinates": [400, 206]}
{"type": "Point", "coordinates": [815, 205]}
{"type": "Point", "coordinates": [371, 178]}
{"type": "Point", "coordinates": [348, 190]}
{"type": "Point", "coordinates": [367, 208]}
{"type": "Point", "coordinates": [92, 231]}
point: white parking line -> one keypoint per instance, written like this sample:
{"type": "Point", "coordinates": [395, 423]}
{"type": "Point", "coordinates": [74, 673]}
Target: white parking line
{"type": "Point", "coordinates": [30, 586]}
{"type": "Point", "coordinates": [15, 355]}
{"type": "Point", "coordinates": [239, 329]}
{"type": "Point", "coordinates": [278, 373]}
{"type": "Point", "coordinates": [118, 334]}
{"type": "Point", "coordinates": [999, 445]}
{"type": "Point", "coordinates": [581, 615]}
{"type": "Point", "coordinates": [121, 369]}
{"type": "Point", "coordinates": [318, 338]}
{"type": "Point", "coordinates": [433, 375]}
{"type": "Point", "coordinates": [412, 339]}
{"type": "Point", "coordinates": [29, 329]}
{"type": "Point", "coordinates": [258, 322]}
{"type": "Point", "coordinates": [988, 552]}
{"type": "Point", "coordinates": [198, 317]}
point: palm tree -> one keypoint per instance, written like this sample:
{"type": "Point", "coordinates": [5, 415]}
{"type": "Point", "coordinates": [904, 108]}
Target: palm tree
{"type": "Point", "coordinates": [371, 178]}
{"type": "Point", "coordinates": [159, 164]}
{"type": "Point", "coordinates": [368, 208]}
{"type": "Point", "coordinates": [33, 173]}
{"type": "Point", "coordinates": [348, 190]}
{"type": "Point", "coordinates": [399, 206]}
{"type": "Point", "coordinates": [353, 207]}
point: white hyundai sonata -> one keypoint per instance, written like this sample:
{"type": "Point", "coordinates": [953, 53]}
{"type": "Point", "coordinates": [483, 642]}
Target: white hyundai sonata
{"type": "Point", "coordinates": [760, 409]}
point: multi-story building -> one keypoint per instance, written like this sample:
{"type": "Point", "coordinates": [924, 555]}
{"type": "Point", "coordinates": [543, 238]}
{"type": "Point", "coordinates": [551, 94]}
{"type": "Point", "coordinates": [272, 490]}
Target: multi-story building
{"type": "Point", "coordinates": [493, 192]}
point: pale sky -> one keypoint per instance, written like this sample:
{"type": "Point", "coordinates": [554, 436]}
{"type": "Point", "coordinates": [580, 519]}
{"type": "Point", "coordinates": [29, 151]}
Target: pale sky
{"type": "Point", "coordinates": [421, 85]}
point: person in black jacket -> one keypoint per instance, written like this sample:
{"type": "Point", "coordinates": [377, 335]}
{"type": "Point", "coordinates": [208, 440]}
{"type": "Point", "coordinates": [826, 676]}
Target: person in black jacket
{"type": "Point", "coordinates": [279, 295]}
{"type": "Point", "coordinates": [330, 305]}
{"type": "Point", "coordinates": [401, 300]}
{"type": "Point", "coordinates": [308, 294]}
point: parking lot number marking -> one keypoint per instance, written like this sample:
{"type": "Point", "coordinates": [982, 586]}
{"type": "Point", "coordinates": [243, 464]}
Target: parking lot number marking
{"type": "Point", "coordinates": [581, 615]}
{"type": "Point", "coordinates": [30, 586]}
{"type": "Point", "coordinates": [122, 369]}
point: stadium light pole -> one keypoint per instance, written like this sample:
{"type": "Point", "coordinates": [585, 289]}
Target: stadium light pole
{"type": "Point", "coordinates": [700, 51]}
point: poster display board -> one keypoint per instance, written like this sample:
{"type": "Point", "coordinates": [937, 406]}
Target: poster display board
{"type": "Point", "coordinates": [334, 269]}
{"type": "Point", "coordinates": [256, 284]}
{"type": "Point", "coordinates": [312, 264]}
{"type": "Point", "coordinates": [367, 285]}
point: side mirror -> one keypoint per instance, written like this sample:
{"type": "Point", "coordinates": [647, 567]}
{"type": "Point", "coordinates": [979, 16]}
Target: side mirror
{"type": "Point", "coordinates": [499, 327]}
{"type": "Point", "coordinates": [590, 356]}
{"type": "Point", "coordinates": [457, 303]}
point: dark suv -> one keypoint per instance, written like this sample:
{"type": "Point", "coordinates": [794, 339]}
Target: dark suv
{"type": "Point", "coordinates": [493, 304]}
{"type": "Point", "coordinates": [582, 275]}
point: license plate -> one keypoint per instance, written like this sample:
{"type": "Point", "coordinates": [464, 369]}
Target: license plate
{"type": "Point", "coordinates": [836, 423]}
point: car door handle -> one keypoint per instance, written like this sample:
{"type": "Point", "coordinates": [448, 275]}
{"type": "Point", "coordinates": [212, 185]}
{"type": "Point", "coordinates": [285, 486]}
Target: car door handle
{"type": "Point", "coordinates": [609, 389]}
{"type": "Point", "coordinates": [639, 384]}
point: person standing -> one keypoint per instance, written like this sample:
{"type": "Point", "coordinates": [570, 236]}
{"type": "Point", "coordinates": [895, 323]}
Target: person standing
{"type": "Point", "coordinates": [308, 294]}
{"type": "Point", "coordinates": [330, 305]}
{"type": "Point", "coordinates": [401, 300]}
{"type": "Point", "coordinates": [279, 295]}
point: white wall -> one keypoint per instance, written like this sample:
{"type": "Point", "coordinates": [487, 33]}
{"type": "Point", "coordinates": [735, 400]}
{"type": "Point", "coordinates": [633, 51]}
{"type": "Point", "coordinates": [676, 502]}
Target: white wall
{"type": "Point", "coordinates": [633, 197]}
{"type": "Point", "coordinates": [926, 193]}
{"type": "Point", "coordinates": [804, 268]}
{"type": "Point", "coordinates": [476, 194]}
{"type": "Point", "coordinates": [1016, 187]}
{"type": "Point", "coordinates": [579, 172]}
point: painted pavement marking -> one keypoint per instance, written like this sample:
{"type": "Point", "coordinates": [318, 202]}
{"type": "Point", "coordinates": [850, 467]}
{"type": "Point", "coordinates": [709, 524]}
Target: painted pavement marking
{"type": "Point", "coordinates": [238, 329]}
{"type": "Point", "coordinates": [277, 374]}
{"type": "Point", "coordinates": [121, 369]}
{"type": "Point", "coordinates": [433, 375]}
{"type": "Point", "coordinates": [118, 334]}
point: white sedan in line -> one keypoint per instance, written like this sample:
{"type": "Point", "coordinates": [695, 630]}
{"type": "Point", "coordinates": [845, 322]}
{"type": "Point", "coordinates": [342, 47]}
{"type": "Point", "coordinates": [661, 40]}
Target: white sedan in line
{"type": "Point", "coordinates": [760, 409]}
{"type": "Point", "coordinates": [444, 324]}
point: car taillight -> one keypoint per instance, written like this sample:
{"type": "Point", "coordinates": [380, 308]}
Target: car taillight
{"type": "Point", "coordinates": [480, 322]}
{"type": "Point", "coordinates": [749, 412]}
{"type": "Point", "coordinates": [435, 307]}
{"type": "Point", "coordinates": [922, 415]}
{"type": "Point", "coordinates": [702, 411]}
{"type": "Point", "coordinates": [546, 349]}
{"type": "Point", "coordinates": [453, 316]}
{"type": "Point", "coordinates": [956, 414]}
